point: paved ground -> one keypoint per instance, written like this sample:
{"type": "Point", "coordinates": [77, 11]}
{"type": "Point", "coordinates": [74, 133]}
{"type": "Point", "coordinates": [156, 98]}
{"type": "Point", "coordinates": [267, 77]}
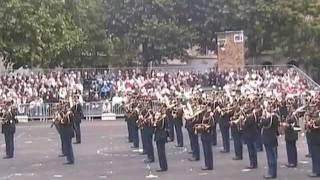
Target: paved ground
{"type": "Point", "coordinates": [105, 154]}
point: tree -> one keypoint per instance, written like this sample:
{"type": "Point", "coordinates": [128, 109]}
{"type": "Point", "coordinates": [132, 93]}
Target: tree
{"type": "Point", "coordinates": [35, 32]}
{"type": "Point", "coordinates": [150, 26]}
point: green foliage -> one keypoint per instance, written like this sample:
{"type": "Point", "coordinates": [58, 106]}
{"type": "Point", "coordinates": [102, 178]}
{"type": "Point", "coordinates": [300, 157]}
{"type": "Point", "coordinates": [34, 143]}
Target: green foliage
{"type": "Point", "coordinates": [86, 33]}
{"type": "Point", "coordinates": [34, 32]}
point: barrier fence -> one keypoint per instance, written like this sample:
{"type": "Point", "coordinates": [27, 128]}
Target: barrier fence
{"type": "Point", "coordinates": [92, 110]}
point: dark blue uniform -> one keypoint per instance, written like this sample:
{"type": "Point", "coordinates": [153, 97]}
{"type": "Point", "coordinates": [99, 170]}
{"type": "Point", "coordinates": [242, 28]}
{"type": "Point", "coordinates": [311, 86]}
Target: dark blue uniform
{"type": "Point", "coordinates": [143, 140]}
{"type": "Point", "coordinates": [194, 141]}
{"type": "Point", "coordinates": [170, 125]}
{"type": "Point", "coordinates": [224, 124]}
{"type": "Point", "coordinates": [270, 141]}
{"type": "Point", "coordinates": [291, 137]}
{"type": "Point", "coordinates": [67, 133]}
{"type": "Point", "coordinates": [149, 130]}
{"type": "Point", "coordinates": [257, 117]}
{"type": "Point", "coordinates": [249, 136]}
{"type": "Point", "coordinates": [160, 136]}
{"type": "Point", "coordinates": [134, 129]}
{"type": "Point", "coordinates": [178, 123]}
{"type": "Point", "coordinates": [206, 138]}
{"type": "Point", "coordinates": [58, 127]}
{"type": "Point", "coordinates": [78, 116]}
{"type": "Point", "coordinates": [315, 149]}
{"type": "Point", "coordinates": [9, 129]}
{"type": "Point", "coordinates": [129, 128]}
{"type": "Point", "coordinates": [237, 141]}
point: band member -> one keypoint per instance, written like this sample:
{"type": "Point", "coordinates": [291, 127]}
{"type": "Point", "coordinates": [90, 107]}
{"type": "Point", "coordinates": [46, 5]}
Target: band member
{"type": "Point", "coordinates": [160, 136]}
{"type": "Point", "coordinates": [134, 116]}
{"type": "Point", "coordinates": [178, 123]}
{"type": "Point", "coordinates": [78, 116]}
{"type": "Point", "coordinates": [56, 123]}
{"type": "Point", "coordinates": [291, 137]}
{"type": "Point", "coordinates": [127, 119]}
{"type": "Point", "coordinates": [270, 124]}
{"type": "Point", "coordinates": [313, 126]}
{"type": "Point", "coordinates": [249, 136]}
{"type": "Point", "coordinates": [194, 139]}
{"type": "Point", "coordinates": [149, 130]}
{"type": "Point", "coordinates": [257, 115]}
{"type": "Point", "coordinates": [8, 129]}
{"type": "Point", "coordinates": [224, 124]}
{"type": "Point", "coordinates": [236, 132]}
{"type": "Point", "coordinates": [170, 124]}
{"type": "Point", "coordinates": [142, 129]}
{"type": "Point", "coordinates": [67, 134]}
{"type": "Point", "coordinates": [215, 121]}
{"type": "Point", "coordinates": [205, 130]}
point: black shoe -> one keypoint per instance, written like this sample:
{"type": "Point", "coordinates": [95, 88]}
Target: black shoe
{"type": "Point", "coordinates": [61, 155]}
{"type": "Point", "coordinates": [252, 167]}
{"type": "Point", "coordinates": [193, 159]}
{"type": "Point", "coordinates": [308, 155]}
{"type": "Point", "coordinates": [142, 153]}
{"type": "Point", "coordinates": [291, 165]}
{"type": "Point", "coordinates": [77, 143]}
{"type": "Point", "coordinates": [206, 168]}
{"type": "Point", "coordinates": [237, 158]}
{"type": "Point", "coordinates": [259, 150]}
{"type": "Point", "coordinates": [7, 157]}
{"type": "Point", "coordinates": [313, 175]}
{"type": "Point", "coordinates": [161, 170]}
{"type": "Point", "coordinates": [68, 163]}
{"type": "Point", "coordinates": [134, 147]}
{"type": "Point", "coordinates": [190, 152]}
{"type": "Point", "coordinates": [269, 177]}
{"type": "Point", "coordinates": [170, 140]}
{"type": "Point", "coordinates": [148, 160]}
{"type": "Point", "coordinates": [179, 145]}
{"type": "Point", "coordinates": [214, 144]}
{"type": "Point", "coordinates": [224, 151]}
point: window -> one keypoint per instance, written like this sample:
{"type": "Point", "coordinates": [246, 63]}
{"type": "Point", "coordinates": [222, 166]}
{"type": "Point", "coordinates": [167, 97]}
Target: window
{"type": "Point", "coordinates": [238, 38]}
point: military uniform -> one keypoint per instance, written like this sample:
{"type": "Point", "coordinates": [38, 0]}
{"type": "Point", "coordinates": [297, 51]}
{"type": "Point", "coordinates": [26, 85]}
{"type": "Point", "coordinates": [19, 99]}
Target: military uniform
{"type": "Point", "coordinates": [250, 136]}
{"type": "Point", "coordinates": [194, 141]}
{"type": "Point", "coordinates": [170, 125]}
{"type": "Point", "coordinates": [178, 123]}
{"type": "Point", "coordinates": [67, 133]}
{"type": "Point", "coordinates": [78, 116]}
{"type": "Point", "coordinates": [9, 129]}
{"type": "Point", "coordinates": [291, 137]}
{"type": "Point", "coordinates": [160, 137]}
{"type": "Point", "coordinates": [206, 138]}
{"type": "Point", "coordinates": [58, 127]}
{"type": "Point", "coordinates": [224, 124]}
{"type": "Point", "coordinates": [135, 129]}
{"type": "Point", "coordinates": [236, 134]}
{"type": "Point", "coordinates": [269, 137]}
{"type": "Point", "coordinates": [315, 148]}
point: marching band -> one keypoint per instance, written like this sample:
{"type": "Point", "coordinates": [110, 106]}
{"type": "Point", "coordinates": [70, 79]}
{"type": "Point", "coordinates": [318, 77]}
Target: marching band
{"type": "Point", "coordinates": [254, 120]}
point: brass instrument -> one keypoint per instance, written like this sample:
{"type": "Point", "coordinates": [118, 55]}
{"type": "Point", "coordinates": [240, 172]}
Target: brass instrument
{"type": "Point", "coordinates": [143, 120]}
{"type": "Point", "coordinates": [159, 120]}
{"type": "Point", "coordinates": [238, 119]}
{"type": "Point", "coordinates": [206, 123]}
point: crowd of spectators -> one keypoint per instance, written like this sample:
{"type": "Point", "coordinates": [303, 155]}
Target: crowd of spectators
{"type": "Point", "coordinates": [38, 88]}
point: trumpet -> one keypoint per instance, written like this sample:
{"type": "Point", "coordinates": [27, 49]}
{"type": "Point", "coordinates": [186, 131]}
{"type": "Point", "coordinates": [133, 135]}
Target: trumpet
{"type": "Point", "coordinates": [159, 120]}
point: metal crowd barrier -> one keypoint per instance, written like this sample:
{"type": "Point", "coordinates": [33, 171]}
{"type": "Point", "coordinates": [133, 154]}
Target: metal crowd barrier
{"type": "Point", "coordinates": [91, 110]}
